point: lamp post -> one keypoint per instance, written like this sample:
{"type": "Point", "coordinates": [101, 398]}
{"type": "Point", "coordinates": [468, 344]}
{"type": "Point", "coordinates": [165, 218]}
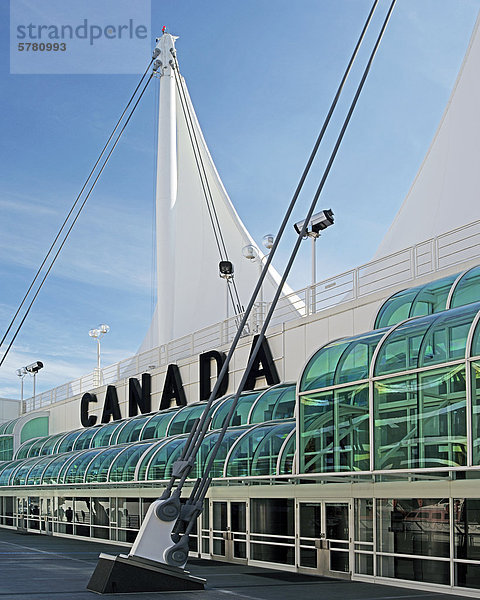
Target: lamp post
{"type": "Point", "coordinates": [318, 223]}
{"type": "Point", "coordinates": [251, 253]}
{"type": "Point", "coordinates": [97, 334]}
{"type": "Point", "coordinates": [21, 373]}
{"type": "Point", "coordinates": [33, 369]}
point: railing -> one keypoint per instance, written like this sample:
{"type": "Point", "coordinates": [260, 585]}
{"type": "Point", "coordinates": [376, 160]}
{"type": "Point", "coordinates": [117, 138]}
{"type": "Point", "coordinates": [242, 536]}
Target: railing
{"type": "Point", "coordinates": [446, 250]}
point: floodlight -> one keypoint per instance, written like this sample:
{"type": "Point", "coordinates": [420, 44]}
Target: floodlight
{"type": "Point", "coordinates": [225, 269]}
{"type": "Point", "coordinates": [318, 222]}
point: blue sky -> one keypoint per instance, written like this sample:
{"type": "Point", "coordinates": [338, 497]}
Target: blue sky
{"type": "Point", "coordinates": [261, 74]}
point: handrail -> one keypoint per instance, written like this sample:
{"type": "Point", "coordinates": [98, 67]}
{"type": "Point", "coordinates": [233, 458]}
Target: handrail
{"type": "Point", "coordinates": [446, 250]}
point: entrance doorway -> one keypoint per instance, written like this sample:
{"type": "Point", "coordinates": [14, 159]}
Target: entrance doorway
{"type": "Point", "coordinates": [324, 541]}
{"type": "Point", "coordinates": [228, 532]}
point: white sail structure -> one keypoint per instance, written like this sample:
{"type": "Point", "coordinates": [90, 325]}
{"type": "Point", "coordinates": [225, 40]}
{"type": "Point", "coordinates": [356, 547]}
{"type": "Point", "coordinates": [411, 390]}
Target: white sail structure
{"type": "Point", "coordinates": [446, 191]}
{"type": "Point", "coordinates": [191, 202]}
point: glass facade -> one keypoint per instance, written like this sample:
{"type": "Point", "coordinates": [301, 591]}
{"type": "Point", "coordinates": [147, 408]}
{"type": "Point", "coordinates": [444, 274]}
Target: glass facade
{"type": "Point", "coordinates": [410, 407]}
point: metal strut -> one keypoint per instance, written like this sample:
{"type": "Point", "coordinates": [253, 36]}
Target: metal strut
{"type": "Point", "coordinates": [164, 534]}
{"type": "Point", "coordinates": [161, 533]}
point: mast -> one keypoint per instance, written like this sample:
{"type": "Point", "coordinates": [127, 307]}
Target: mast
{"type": "Point", "coordinates": [166, 188]}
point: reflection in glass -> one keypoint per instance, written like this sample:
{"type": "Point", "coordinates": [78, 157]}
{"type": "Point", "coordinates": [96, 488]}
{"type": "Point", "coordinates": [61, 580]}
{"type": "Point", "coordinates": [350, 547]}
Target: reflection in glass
{"type": "Point", "coordinates": [420, 420]}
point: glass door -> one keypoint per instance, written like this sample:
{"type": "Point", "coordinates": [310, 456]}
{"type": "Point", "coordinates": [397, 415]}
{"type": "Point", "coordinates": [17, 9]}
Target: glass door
{"type": "Point", "coordinates": [337, 533]}
{"type": "Point", "coordinates": [323, 537]}
{"type": "Point", "coordinates": [228, 533]}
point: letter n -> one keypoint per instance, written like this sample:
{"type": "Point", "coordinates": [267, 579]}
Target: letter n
{"type": "Point", "coordinates": [173, 388]}
{"type": "Point", "coordinates": [205, 364]}
{"type": "Point", "coordinates": [110, 406]}
{"type": "Point", "coordinates": [139, 397]}
{"type": "Point", "coordinates": [263, 365]}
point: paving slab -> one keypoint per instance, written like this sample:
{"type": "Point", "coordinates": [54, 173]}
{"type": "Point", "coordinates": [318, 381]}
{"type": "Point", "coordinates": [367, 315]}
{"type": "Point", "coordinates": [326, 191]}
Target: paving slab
{"type": "Point", "coordinates": [37, 567]}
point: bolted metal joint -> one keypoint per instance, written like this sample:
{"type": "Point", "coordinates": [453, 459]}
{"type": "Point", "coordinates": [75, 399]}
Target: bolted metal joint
{"type": "Point", "coordinates": [180, 467]}
{"type": "Point", "coordinates": [168, 510]}
{"type": "Point", "coordinates": [177, 555]}
{"type": "Point", "coordinates": [187, 511]}
{"type": "Point", "coordinates": [157, 64]}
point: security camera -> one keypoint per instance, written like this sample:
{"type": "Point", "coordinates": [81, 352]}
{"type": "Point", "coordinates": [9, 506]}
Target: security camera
{"type": "Point", "coordinates": [226, 269]}
{"type": "Point", "coordinates": [34, 367]}
{"type": "Point", "coordinates": [318, 222]}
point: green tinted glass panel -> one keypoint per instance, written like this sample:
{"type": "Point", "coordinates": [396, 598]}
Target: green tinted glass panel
{"type": "Point", "coordinates": [8, 427]}
{"type": "Point", "coordinates": [22, 452]}
{"type": "Point", "coordinates": [476, 341]}
{"type": "Point", "coordinates": [83, 441]}
{"type": "Point", "coordinates": [320, 370]}
{"type": "Point", "coordinates": [334, 430]}
{"type": "Point", "coordinates": [240, 415]}
{"type": "Point", "coordinates": [174, 456]}
{"type": "Point", "coordinates": [66, 445]}
{"type": "Point", "coordinates": [354, 362]}
{"type": "Point", "coordinates": [202, 456]}
{"type": "Point", "coordinates": [183, 421]}
{"type": "Point", "coordinates": [475, 367]}
{"type": "Point", "coordinates": [265, 457]}
{"type": "Point", "coordinates": [221, 412]}
{"type": "Point", "coordinates": [35, 474]}
{"type": "Point", "coordinates": [396, 308]}
{"type": "Point", "coordinates": [52, 472]}
{"type": "Point", "coordinates": [34, 428]}
{"type": "Point", "coordinates": [275, 403]}
{"type": "Point", "coordinates": [6, 447]}
{"type": "Point", "coordinates": [130, 432]}
{"type": "Point", "coordinates": [446, 339]}
{"type": "Point", "coordinates": [241, 458]}
{"type": "Point", "coordinates": [467, 289]}
{"type": "Point", "coordinates": [19, 476]}
{"type": "Point", "coordinates": [230, 438]}
{"type": "Point", "coordinates": [156, 428]}
{"type": "Point", "coordinates": [106, 434]}
{"type": "Point", "coordinates": [36, 447]}
{"type": "Point", "coordinates": [97, 470]}
{"type": "Point", "coordinates": [50, 443]}
{"type": "Point", "coordinates": [158, 464]}
{"type": "Point", "coordinates": [7, 471]}
{"type": "Point", "coordinates": [242, 410]}
{"type": "Point", "coordinates": [123, 467]}
{"type": "Point", "coordinates": [75, 471]}
{"type": "Point", "coordinates": [432, 297]}
{"type": "Point", "coordinates": [288, 456]}
{"type": "Point", "coordinates": [399, 351]}
{"type": "Point", "coordinates": [420, 420]}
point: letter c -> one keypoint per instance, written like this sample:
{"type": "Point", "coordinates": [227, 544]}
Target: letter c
{"type": "Point", "coordinates": [87, 421]}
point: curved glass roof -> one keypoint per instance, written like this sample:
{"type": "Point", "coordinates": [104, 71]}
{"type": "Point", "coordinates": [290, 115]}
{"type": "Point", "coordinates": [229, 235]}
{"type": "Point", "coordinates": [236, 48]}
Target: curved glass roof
{"type": "Point", "coordinates": [277, 402]}
{"type": "Point", "coordinates": [419, 342]}
{"type": "Point", "coordinates": [6, 428]}
{"type": "Point", "coordinates": [264, 449]}
{"type": "Point", "coordinates": [431, 340]}
{"type": "Point", "coordinates": [467, 289]}
{"type": "Point", "coordinates": [433, 297]}
{"type": "Point", "coordinates": [342, 361]}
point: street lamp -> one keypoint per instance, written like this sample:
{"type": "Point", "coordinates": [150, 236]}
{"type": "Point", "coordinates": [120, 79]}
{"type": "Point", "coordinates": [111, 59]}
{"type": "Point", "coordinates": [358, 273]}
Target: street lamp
{"type": "Point", "coordinates": [97, 334]}
{"type": "Point", "coordinates": [21, 373]}
{"type": "Point", "coordinates": [251, 253]}
{"type": "Point", "coordinates": [33, 369]}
